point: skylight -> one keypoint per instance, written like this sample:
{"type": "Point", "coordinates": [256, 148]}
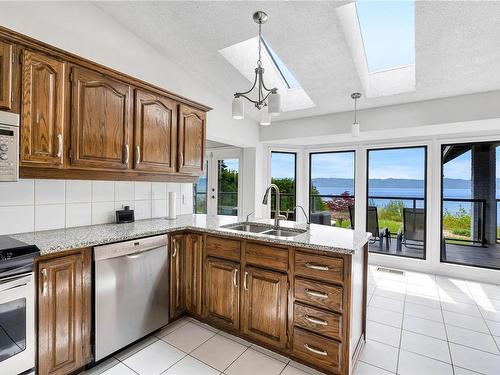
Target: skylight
{"type": "Point", "coordinates": [388, 31]}
{"type": "Point", "coordinates": [287, 76]}
{"type": "Point", "coordinates": [243, 56]}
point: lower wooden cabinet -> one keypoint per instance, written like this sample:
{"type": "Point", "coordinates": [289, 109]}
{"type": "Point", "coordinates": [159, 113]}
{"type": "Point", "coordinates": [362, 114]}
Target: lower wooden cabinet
{"type": "Point", "coordinates": [222, 292]}
{"type": "Point", "coordinates": [193, 267]}
{"type": "Point", "coordinates": [64, 315]}
{"type": "Point", "coordinates": [264, 314]}
{"type": "Point", "coordinates": [177, 300]}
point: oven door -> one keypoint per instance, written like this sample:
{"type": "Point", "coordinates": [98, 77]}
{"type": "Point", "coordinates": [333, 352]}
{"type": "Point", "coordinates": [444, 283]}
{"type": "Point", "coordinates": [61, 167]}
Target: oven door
{"type": "Point", "coordinates": [17, 324]}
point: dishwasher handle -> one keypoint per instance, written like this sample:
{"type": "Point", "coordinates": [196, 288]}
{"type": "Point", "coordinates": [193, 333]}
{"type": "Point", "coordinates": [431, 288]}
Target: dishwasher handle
{"type": "Point", "coordinates": [131, 249]}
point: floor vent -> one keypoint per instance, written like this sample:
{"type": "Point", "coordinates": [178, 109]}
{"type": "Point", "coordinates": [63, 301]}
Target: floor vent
{"type": "Point", "coordinates": [390, 270]}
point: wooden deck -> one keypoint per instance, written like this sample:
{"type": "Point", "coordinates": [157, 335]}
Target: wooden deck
{"type": "Point", "coordinates": [479, 256]}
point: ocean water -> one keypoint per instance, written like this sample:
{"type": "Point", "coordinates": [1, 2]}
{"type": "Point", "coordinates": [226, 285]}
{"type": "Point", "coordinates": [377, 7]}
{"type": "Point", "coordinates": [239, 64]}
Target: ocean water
{"type": "Point", "coordinates": [405, 193]}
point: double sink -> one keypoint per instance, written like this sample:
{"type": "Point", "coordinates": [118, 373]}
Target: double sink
{"type": "Point", "coordinates": [265, 229]}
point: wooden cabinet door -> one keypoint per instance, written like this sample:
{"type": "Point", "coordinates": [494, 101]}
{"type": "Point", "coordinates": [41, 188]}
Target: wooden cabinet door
{"type": "Point", "coordinates": [155, 141]}
{"type": "Point", "coordinates": [191, 141]}
{"type": "Point", "coordinates": [222, 292]}
{"type": "Point", "coordinates": [101, 124]}
{"type": "Point", "coordinates": [42, 110]}
{"type": "Point", "coordinates": [193, 264]}
{"type": "Point", "coordinates": [264, 299]}
{"type": "Point", "coordinates": [64, 295]}
{"type": "Point", "coordinates": [6, 75]}
{"type": "Point", "coordinates": [177, 300]}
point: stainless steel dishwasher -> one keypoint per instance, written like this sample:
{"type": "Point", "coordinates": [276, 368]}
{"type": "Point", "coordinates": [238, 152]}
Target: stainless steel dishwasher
{"type": "Point", "coordinates": [131, 292]}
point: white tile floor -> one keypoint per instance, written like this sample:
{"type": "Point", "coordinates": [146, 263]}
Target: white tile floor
{"type": "Point", "coordinates": [418, 324]}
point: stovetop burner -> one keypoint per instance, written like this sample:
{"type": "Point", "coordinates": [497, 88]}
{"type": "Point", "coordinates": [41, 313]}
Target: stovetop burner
{"type": "Point", "coordinates": [16, 257]}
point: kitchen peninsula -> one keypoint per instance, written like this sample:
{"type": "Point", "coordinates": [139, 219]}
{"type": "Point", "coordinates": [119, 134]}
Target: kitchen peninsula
{"type": "Point", "coordinates": [301, 293]}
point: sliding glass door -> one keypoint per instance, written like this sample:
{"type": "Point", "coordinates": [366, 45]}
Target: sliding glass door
{"type": "Point", "coordinates": [331, 188]}
{"type": "Point", "coordinates": [470, 204]}
{"type": "Point", "coordinates": [396, 201]}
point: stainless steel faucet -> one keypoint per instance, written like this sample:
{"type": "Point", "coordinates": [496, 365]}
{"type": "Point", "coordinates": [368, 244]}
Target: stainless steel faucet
{"type": "Point", "coordinates": [304, 212]}
{"type": "Point", "coordinates": [277, 216]}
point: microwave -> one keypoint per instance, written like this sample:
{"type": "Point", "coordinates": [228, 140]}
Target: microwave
{"type": "Point", "coordinates": [9, 146]}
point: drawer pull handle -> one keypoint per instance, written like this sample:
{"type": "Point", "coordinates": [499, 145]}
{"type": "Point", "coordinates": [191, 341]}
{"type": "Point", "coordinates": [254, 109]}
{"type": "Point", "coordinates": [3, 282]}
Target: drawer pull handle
{"type": "Point", "coordinates": [317, 267]}
{"type": "Point", "coordinates": [317, 294]}
{"type": "Point", "coordinates": [316, 351]}
{"type": "Point", "coordinates": [316, 320]}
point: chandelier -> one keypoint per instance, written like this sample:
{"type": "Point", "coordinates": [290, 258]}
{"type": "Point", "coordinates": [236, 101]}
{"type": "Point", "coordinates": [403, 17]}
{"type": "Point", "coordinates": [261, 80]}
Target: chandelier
{"type": "Point", "coordinates": [267, 99]}
{"type": "Point", "coordinates": [355, 125]}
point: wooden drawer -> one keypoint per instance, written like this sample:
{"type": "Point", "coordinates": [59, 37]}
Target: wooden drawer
{"type": "Point", "coordinates": [319, 321]}
{"type": "Point", "coordinates": [266, 256]}
{"type": "Point", "coordinates": [317, 350]}
{"type": "Point", "coordinates": [223, 248]}
{"type": "Point", "coordinates": [319, 267]}
{"type": "Point", "coordinates": [318, 294]}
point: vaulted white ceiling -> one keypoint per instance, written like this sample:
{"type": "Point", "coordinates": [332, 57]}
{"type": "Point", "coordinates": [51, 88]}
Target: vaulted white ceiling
{"type": "Point", "coordinates": [457, 46]}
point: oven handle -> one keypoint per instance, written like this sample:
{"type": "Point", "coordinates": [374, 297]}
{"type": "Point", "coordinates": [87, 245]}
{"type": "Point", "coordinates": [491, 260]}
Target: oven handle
{"type": "Point", "coordinates": [16, 282]}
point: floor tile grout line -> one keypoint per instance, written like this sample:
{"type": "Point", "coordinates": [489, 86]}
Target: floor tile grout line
{"type": "Point", "coordinates": [371, 364]}
{"type": "Point", "coordinates": [401, 333]}
{"type": "Point", "coordinates": [130, 368]}
{"type": "Point", "coordinates": [244, 351]}
{"type": "Point", "coordinates": [488, 327]}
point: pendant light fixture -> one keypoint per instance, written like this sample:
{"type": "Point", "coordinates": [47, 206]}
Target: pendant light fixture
{"type": "Point", "coordinates": [355, 124]}
{"type": "Point", "coordinates": [268, 99]}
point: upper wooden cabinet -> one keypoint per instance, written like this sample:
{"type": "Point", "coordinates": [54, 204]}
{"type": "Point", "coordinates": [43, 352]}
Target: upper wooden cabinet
{"type": "Point", "coordinates": [42, 125]}
{"type": "Point", "coordinates": [64, 296]}
{"type": "Point", "coordinates": [101, 123]}
{"type": "Point", "coordinates": [155, 140]}
{"type": "Point", "coordinates": [265, 296]}
{"type": "Point", "coordinates": [191, 140]}
{"type": "Point", "coordinates": [6, 73]}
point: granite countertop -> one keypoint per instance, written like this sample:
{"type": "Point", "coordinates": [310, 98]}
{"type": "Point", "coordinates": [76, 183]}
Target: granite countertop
{"type": "Point", "coordinates": [318, 237]}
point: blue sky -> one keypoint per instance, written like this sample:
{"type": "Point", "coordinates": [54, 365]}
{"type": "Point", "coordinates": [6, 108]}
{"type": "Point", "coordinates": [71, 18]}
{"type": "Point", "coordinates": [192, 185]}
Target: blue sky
{"type": "Point", "coordinates": [282, 165]}
{"type": "Point", "coordinates": [406, 163]}
{"type": "Point", "coordinates": [338, 165]}
{"type": "Point", "coordinates": [388, 30]}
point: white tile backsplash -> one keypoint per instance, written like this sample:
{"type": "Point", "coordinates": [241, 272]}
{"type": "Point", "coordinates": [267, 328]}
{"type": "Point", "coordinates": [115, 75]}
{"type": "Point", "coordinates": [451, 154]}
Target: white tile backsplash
{"type": "Point", "coordinates": [78, 214]}
{"type": "Point", "coordinates": [103, 191]}
{"type": "Point", "coordinates": [50, 216]}
{"type": "Point", "coordinates": [78, 191]}
{"type": "Point", "coordinates": [29, 204]}
{"type": "Point", "coordinates": [17, 219]}
{"type": "Point", "coordinates": [17, 193]}
{"type": "Point", "coordinates": [50, 191]}
{"type": "Point", "coordinates": [124, 191]}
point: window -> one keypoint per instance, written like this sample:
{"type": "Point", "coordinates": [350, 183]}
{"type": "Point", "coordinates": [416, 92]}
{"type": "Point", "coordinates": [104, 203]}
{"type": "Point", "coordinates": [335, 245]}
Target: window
{"type": "Point", "coordinates": [388, 30]}
{"type": "Point", "coordinates": [283, 174]}
{"type": "Point", "coordinates": [470, 204]}
{"type": "Point", "coordinates": [200, 193]}
{"type": "Point", "coordinates": [331, 188]}
{"type": "Point", "coordinates": [396, 209]}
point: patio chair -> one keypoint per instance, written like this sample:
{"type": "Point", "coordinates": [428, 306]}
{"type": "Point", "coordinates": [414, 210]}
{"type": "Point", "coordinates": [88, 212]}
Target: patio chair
{"type": "Point", "coordinates": [372, 227]}
{"type": "Point", "coordinates": [413, 234]}
{"type": "Point", "coordinates": [323, 218]}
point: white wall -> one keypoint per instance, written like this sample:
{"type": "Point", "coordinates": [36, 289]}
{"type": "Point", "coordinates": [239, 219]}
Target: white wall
{"type": "Point", "coordinates": [85, 30]}
{"type": "Point", "coordinates": [30, 205]}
